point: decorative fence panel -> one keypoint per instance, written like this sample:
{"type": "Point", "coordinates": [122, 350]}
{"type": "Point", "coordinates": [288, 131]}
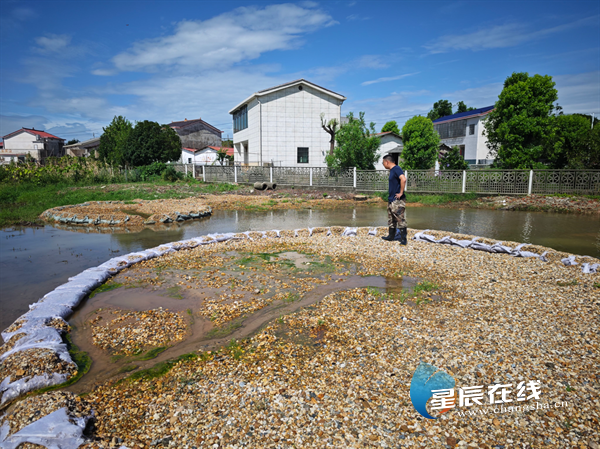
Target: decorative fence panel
{"type": "Point", "coordinates": [372, 180]}
{"type": "Point", "coordinates": [328, 177]}
{"type": "Point", "coordinates": [430, 181]}
{"type": "Point", "coordinates": [291, 176]}
{"type": "Point", "coordinates": [252, 174]}
{"type": "Point", "coordinates": [566, 181]}
{"type": "Point", "coordinates": [506, 182]}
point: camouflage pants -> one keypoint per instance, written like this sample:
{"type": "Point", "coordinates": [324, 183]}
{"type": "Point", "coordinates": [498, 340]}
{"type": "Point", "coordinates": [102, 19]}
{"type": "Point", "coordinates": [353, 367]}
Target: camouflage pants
{"type": "Point", "coordinates": [396, 214]}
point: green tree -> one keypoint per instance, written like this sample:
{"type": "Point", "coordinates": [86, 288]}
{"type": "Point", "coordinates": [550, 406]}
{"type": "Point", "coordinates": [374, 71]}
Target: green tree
{"type": "Point", "coordinates": [462, 107]}
{"type": "Point", "coordinates": [391, 126]}
{"type": "Point", "coordinates": [564, 144]}
{"type": "Point", "coordinates": [330, 128]}
{"type": "Point", "coordinates": [452, 160]}
{"type": "Point", "coordinates": [113, 139]}
{"type": "Point", "coordinates": [72, 141]}
{"type": "Point", "coordinates": [357, 145]}
{"type": "Point", "coordinates": [522, 117]}
{"type": "Point", "coordinates": [421, 144]}
{"type": "Point", "coordinates": [587, 154]}
{"type": "Point", "coordinates": [150, 142]}
{"type": "Point", "coordinates": [440, 109]}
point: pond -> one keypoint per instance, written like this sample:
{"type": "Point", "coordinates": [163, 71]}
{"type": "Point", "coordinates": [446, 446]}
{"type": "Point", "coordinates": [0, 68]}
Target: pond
{"type": "Point", "coordinates": [34, 261]}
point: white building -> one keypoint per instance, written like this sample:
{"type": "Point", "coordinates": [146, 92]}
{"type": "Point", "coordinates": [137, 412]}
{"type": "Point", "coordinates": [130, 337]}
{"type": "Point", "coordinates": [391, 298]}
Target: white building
{"type": "Point", "coordinates": [390, 143]}
{"type": "Point", "coordinates": [282, 125]}
{"type": "Point", "coordinates": [465, 130]}
{"type": "Point", "coordinates": [38, 144]}
{"type": "Point", "coordinates": [205, 156]}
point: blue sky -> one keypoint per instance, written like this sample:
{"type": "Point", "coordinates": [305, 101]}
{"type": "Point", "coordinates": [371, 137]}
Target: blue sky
{"type": "Point", "coordinates": [69, 67]}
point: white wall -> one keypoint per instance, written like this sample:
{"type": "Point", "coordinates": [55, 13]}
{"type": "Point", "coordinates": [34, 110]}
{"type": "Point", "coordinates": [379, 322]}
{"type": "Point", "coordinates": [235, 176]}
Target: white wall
{"type": "Point", "coordinates": [290, 119]}
{"type": "Point", "coordinates": [23, 141]}
{"type": "Point", "coordinates": [476, 144]}
{"type": "Point", "coordinates": [388, 142]}
{"type": "Point", "coordinates": [204, 157]}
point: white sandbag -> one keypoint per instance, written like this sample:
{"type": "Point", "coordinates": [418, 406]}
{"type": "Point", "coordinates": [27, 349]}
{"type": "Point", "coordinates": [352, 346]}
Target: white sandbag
{"type": "Point", "coordinates": [422, 237]}
{"type": "Point", "coordinates": [53, 431]}
{"type": "Point", "coordinates": [29, 325]}
{"type": "Point", "coordinates": [478, 246]}
{"type": "Point", "coordinates": [48, 311]}
{"type": "Point", "coordinates": [569, 261]}
{"type": "Point", "coordinates": [372, 231]}
{"type": "Point", "coordinates": [349, 232]}
{"type": "Point", "coordinates": [589, 268]}
{"type": "Point", "coordinates": [499, 248]}
{"type": "Point", "coordinates": [310, 232]}
{"type": "Point", "coordinates": [62, 297]}
{"type": "Point", "coordinates": [328, 232]}
{"type": "Point", "coordinates": [19, 387]}
{"type": "Point", "coordinates": [43, 338]}
{"type": "Point", "coordinates": [446, 240]}
{"type": "Point", "coordinates": [463, 243]}
{"type": "Point", "coordinates": [277, 233]}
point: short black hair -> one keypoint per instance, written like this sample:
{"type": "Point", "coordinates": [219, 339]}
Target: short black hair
{"type": "Point", "coordinates": [388, 157]}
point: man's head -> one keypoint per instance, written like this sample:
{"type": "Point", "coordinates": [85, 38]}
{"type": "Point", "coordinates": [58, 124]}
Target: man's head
{"type": "Point", "coordinates": [388, 161]}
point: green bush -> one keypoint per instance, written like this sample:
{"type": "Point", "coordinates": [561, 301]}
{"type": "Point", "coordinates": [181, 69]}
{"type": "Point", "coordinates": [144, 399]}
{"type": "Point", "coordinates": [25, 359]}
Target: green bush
{"type": "Point", "coordinates": [153, 170]}
{"type": "Point", "coordinates": [171, 175]}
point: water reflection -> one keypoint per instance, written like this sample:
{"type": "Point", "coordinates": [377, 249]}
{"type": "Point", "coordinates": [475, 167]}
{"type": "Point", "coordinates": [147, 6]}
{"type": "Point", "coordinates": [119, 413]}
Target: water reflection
{"type": "Point", "coordinates": [527, 227]}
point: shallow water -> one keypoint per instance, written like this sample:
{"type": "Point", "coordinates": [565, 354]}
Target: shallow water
{"type": "Point", "coordinates": [34, 261]}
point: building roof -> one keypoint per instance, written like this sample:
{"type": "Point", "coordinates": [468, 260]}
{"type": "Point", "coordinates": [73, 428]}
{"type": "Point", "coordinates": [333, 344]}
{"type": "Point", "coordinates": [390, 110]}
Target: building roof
{"type": "Point", "coordinates": [263, 92]}
{"type": "Point", "coordinates": [464, 115]}
{"type": "Point", "coordinates": [186, 122]}
{"type": "Point", "coordinates": [386, 133]}
{"type": "Point", "coordinates": [195, 150]}
{"type": "Point", "coordinates": [86, 143]}
{"type": "Point", "coordinates": [42, 134]}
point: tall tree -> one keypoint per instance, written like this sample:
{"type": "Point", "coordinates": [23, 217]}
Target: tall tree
{"type": "Point", "coordinates": [462, 107]}
{"type": "Point", "coordinates": [330, 128]}
{"type": "Point", "coordinates": [588, 154]}
{"type": "Point", "coordinates": [522, 117]}
{"type": "Point", "coordinates": [150, 142]}
{"type": "Point", "coordinates": [391, 126]}
{"type": "Point", "coordinates": [452, 160]}
{"type": "Point", "coordinates": [357, 145]}
{"type": "Point", "coordinates": [113, 139]}
{"type": "Point", "coordinates": [421, 144]}
{"type": "Point", "coordinates": [440, 109]}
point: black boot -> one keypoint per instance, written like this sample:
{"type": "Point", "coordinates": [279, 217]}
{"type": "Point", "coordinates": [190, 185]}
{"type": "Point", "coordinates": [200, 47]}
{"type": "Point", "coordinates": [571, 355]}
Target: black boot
{"type": "Point", "coordinates": [403, 235]}
{"type": "Point", "coordinates": [391, 235]}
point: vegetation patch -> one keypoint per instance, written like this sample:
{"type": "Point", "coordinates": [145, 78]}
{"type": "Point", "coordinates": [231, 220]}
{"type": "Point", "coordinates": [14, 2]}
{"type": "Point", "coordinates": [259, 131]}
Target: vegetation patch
{"type": "Point", "coordinates": [105, 288]}
{"type": "Point", "coordinates": [152, 353]}
{"type": "Point", "coordinates": [223, 331]}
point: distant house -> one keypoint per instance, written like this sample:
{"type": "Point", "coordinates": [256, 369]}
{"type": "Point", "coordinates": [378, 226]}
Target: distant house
{"type": "Point", "coordinates": [38, 144]}
{"type": "Point", "coordinates": [205, 156]}
{"type": "Point", "coordinates": [197, 134]}
{"type": "Point", "coordinates": [465, 130]}
{"type": "Point", "coordinates": [391, 143]}
{"type": "Point", "coordinates": [83, 149]}
{"type": "Point", "coordinates": [282, 125]}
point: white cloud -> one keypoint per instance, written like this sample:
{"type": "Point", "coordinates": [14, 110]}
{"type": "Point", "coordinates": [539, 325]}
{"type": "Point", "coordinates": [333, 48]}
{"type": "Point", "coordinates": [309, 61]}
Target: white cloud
{"type": "Point", "coordinates": [11, 123]}
{"type": "Point", "coordinates": [240, 35]}
{"type": "Point", "coordinates": [52, 43]}
{"type": "Point", "coordinates": [500, 36]}
{"type": "Point", "coordinates": [579, 92]}
{"type": "Point", "coordinates": [388, 78]}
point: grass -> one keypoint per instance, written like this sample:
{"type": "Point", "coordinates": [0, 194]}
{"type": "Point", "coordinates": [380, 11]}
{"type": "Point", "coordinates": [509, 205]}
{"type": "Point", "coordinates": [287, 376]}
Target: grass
{"type": "Point", "coordinates": [162, 368]}
{"type": "Point", "coordinates": [291, 297]}
{"type": "Point", "coordinates": [152, 353]}
{"type": "Point", "coordinates": [567, 284]}
{"type": "Point", "coordinates": [425, 286]}
{"type": "Point", "coordinates": [235, 349]}
{"type": "Point", "coordinates": [23, 203]}
{"type": "Point", "coordinates": [105, 288]}
{"type": "Point", "coordinates": [434, 199]}
{"type": "Point", "coordinates": [225, 330]}
{"type": "Point", "coordinates": [127, 368]}
{"type": "Point", "coordinates": [596, 284]}
{"type": "Point", "coordinates": [174, 292]}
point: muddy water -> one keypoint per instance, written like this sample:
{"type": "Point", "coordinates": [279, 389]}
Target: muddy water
{"type": "Point", "coordinates": [34, 261]}
{"type": "Point", "coordinates": [104, 367]}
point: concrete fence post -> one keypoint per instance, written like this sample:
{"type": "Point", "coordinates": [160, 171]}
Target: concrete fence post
{"type": "Point", "coordinates": [355, 177]}
{"type": "Point", "coordinates": [270, 174]}
{"type": "Point", "coordinates": [310, 177]}
{"type": "Point", "coordinates": [464, 183]}
{"type": "Point", "coordinates": [194, 171]}
{"type": "Point", "coordinates": [185, 165]}
{"type": "Point", "coordinates": [204, 173]}
{"type": "Point", "coordinates": [406, 176]}
{"type": "Point", "coordinates": [235, 174]}
{"type": "Point", "coordinates": [529, 188]}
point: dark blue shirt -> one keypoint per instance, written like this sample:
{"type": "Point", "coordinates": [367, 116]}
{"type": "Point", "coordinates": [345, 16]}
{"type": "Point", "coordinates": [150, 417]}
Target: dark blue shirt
{"type": "Point", "coordinates": [394, 184]}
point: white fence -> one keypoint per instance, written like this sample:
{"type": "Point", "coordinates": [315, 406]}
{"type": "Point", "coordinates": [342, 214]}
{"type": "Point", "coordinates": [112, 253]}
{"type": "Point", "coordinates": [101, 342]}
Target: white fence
{"type": "Point", "coordinates": [505, 182]}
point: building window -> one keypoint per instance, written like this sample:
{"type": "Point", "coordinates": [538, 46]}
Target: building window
{"type": "Point", "coordinates": [240, 119]}
{"type": "Point", "coordinates": [302, 155]}
{"type": "Point", "coordinates": [462, 151]}
{"type": "Point", "coordinates": [448, 130]}
{"type": "Point", "coordinates": [189, 160]}
{"type": "Point", "coordinates": [471, 129]}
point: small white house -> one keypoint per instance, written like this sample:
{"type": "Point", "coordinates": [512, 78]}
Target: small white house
{"type": "Point", "coordinates": [465, 130]}
{"type": "Point", "coordinates": [205, 156]}
{"type": "Point", "coordinates": [38, 144]}
{"type": "Point", "coordinates": [391, 143]}
{"type": "Point", "coordinates": [281, 126]}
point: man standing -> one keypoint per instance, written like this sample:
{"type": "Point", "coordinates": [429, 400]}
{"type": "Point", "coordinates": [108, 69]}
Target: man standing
{"type": "Point", "coordinates": [396, 200]}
